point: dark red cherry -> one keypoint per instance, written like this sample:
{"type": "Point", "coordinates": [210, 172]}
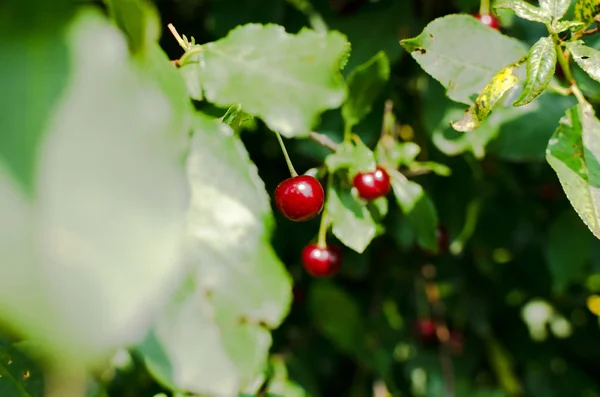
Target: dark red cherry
{"type": "Point", "coordinates": [371, 185]}
{"type": "Point", "coordinates": [488, 20]}
{"type": "Point", "coordinates": [321, 262]}
{"type": "Point", "coordinates": [426, 329]}
{"type": "Point", "coordinates": [300, 198]}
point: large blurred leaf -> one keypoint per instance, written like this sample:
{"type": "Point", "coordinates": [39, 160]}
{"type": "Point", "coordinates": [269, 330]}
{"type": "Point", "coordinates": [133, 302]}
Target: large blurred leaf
{"type": "Point", "coordinates": [573, 153]}
{"type": "Point", "coordinates": [336, 315]}
{"type": "Point", "coordinates": [463, 54]}
{"type": "Point", "coordinates": [214, 337]}
{"type": "Point", "coordinates": [568, 250]}
{"type": "Point", "coordinates": [586, 57]}
{"type": "Point", "coordinates": [138, 19]}
{"type": "Point", "coordinates": [493, 92]}
{"type": "Point", "coordinates": [91, 259]}
{"type": "Point", "coordinates": [352, 222]}
{"type": "Point", "coordinates": [418, 208]}
{"type": "Point", "coordinates": [364, 85]}
{"type": "Point", "coordinates": [540, 70]}
{"type": "Point", "coordinates": [285, 79]}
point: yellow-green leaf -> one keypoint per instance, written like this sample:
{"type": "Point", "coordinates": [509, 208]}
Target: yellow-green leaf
{"type": "Point", "coordinates": [540, 69]}
{"type": "Point", "coordinates": [503, 81]}
{"type": "Point", "coordinates": [586, 10]}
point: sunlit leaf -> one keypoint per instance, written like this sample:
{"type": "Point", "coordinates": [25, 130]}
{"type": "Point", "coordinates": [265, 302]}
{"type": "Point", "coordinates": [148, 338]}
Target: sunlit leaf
{"type": "Point", "coordinates": [586, 10]}
{"type": "Point", "coordinates": [555, 8]}
{"type": "Point", "coordinates": [463, 54]}
{"type": "Point", "coordinates": [285, 79]}
{"type": "Point", "coordinates": [573, 153]}
{"type": "Point", "coordinates": [540, 70]}
{"type": "Point", "coordinates": [586, 57]}
{"type": "Point", "coordinates": [525, 10]}
{"type": "Point", "coordinates": [502, 82]}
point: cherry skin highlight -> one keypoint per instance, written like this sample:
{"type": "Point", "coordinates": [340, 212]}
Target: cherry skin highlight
{"type": "Point", "coordinates": [372, 185]}
{"type": "Point", "coordinates": [488, 20]}
{"type": "Point", "coordinates": [321, 262]}
{"type": "Point", "coordinates": [300, 198]}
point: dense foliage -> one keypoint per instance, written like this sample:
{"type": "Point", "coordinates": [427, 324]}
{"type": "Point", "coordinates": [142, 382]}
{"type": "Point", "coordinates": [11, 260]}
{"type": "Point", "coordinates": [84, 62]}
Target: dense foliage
{"type": "Point", "coordinates": [229, 198]}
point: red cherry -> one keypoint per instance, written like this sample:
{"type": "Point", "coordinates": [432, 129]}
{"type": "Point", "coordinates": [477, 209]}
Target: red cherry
{"type": "Point", "coordinates": [371, 185]}
{"type": "Point", "coordinates": [300, 198]}
{"type": "Point", "coordinates": [426, 330]}
{"type": "Point", "coordinates": [488, 20]}
{"type": "Point", "coordinates": [321, 262]}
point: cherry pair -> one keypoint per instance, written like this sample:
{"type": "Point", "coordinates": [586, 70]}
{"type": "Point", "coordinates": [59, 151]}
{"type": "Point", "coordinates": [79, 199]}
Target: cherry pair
{"type": "Point", "coordinates": [300, 198]}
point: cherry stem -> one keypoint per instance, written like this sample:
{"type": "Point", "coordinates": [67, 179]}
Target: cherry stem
{"type": "Point", "coordinates": [285, 154]}
{"type": "Point", "coordinates": [484, 7]}
{"type": "Point", "coordinates": [347, 132]}
{"type": "Point", "coordinates": [324, 225]}
{"type": "Point", "coordinates": [177, 36]}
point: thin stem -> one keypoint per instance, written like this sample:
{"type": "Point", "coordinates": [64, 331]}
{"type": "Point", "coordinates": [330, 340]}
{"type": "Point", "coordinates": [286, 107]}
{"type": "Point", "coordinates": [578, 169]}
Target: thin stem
{"type": "Point", "coordinates": [578, 94]}
{"type": "Point", "coordinates": [191, 52]}
{"type": "Point", "coordinates": [324, 141]}
{"type": "Point", "coordinates": [388, 123]}
{"type": "Point", "coordinates": [285, 154]}
{"type": "Point", "coordinates": [559, 89]}
{"type": "Point", "coordinates": [347, 132]}
{"type": "Point", "coordinates": [563, 60]}
{"type": "Point", "coordinates": [484, 7]}
{"type": "Point", "coordinates": [324, 225]}
{"type": "Point", "coordinates": [177, 36]}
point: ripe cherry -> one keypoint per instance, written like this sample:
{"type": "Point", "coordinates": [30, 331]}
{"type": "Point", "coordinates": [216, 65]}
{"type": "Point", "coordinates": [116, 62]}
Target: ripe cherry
{"type": "Point", "coordinates": [371, 185]}
{"type": "Point", "coordinates": [300, 198]}
{"type": "Point", "coordinates": [426, 329]}
{"type": "Point", "coordinates": [321, 262]}
{"type": "Point", "coordinates": [488, 20]}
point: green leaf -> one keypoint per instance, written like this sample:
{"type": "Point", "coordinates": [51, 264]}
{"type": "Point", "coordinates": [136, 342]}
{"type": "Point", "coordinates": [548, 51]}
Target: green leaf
{"type": "Point", "coordinates": [568, 250]}
{"type": "Point", "coordinates": [572, 152]}
{"type": "Point", "coordinates": [540, 70]}
{"type": "Point", "coordinates": [395, 153]}
{"type": "Point", "coordinates": [525, 10]}
{"type": "Point", "coordinates": [31, 87]}
{"type": "Point", "coordinates": [19, 377]}
{"type": "Point", "coordinates": [502, 82]}
{"type": "Point", "coordinates": [336, 315]}
{"type": "Point", "coordinates": [586, 57]}
{"type": "Point", "coordinates": [214, 338]}
{"type": "Point", "coordinates": [287, 80]}
{"type": "Point", "coordinates": [191, 72]}
{"type": "Point", "coordinates": [524, 131]}
{"type": "Point", "coordinates": [364, 85]}
{"type": "Point", "coordinates": [418, 208]}
{"type": "Point", "coordinates": [91, 258]}
{"type": "Point", "coordinates": [574, 26]}
{"type": "Point", "coordinates": [462, 54]}
{"type": "Point", "coordinates": [586, 10]}
{"type": "Point", "coordinates": [355, 157]}
{"type": "Point", "coordinates": [351, 220]}
{"type": "Point", "coordinates": [555, 8]}
{"type": "Point", "coordinates": [139, 19]}
{"type": "Point", "coordinates": [436, 168]}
